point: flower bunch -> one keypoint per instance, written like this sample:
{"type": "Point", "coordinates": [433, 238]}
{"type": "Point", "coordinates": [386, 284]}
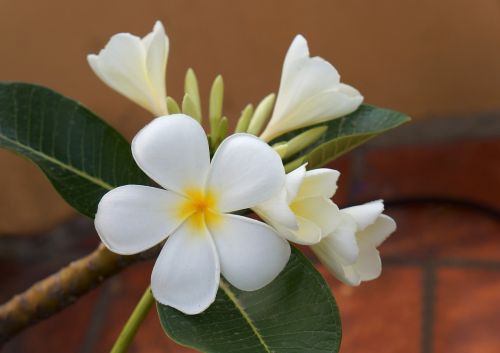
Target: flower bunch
{"type": "Point", "coordinates": [198, 196]}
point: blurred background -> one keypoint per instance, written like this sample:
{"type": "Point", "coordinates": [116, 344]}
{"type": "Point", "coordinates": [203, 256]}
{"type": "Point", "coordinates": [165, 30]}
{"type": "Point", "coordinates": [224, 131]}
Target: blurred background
{"type": "Point", "coordinates": [438, 61]}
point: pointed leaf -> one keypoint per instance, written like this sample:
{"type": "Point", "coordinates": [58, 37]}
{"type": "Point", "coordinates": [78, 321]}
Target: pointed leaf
{"type": "Point", "coordinates": [344, 134]}
{"type": "Point", "coordinates": [82, 156]}
{"type": "Point", "coordinates": [295, 313]}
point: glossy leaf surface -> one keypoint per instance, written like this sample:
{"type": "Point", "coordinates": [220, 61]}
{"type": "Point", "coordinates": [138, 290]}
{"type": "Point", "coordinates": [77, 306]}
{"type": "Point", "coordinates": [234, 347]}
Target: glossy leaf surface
{"type": "Point", "coordinates": [82, 155]}
{"type": "Point", "coordinates": [295, 313]}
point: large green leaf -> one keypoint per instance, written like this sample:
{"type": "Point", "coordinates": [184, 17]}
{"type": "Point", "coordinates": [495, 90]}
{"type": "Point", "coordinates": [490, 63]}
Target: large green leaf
{"type": "Point", "coordinates": [296, 313]}
{"type": "Point", "coordinates": [348, 132]}
{"type": "Point", "coordinates": [81, 155]}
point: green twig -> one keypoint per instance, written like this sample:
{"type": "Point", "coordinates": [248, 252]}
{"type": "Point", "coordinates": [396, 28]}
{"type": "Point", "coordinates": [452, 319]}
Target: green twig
{"type": "Point", "coordinates": [134, 322]}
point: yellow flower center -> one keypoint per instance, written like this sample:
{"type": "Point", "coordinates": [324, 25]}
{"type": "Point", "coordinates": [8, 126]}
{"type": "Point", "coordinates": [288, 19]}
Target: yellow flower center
{"type": "Point", "coordinates": [200, 209]}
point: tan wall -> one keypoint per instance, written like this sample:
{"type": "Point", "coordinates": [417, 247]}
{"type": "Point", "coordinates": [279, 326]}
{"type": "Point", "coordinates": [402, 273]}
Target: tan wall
{"type": "Point", "coordinates": [424, 57]}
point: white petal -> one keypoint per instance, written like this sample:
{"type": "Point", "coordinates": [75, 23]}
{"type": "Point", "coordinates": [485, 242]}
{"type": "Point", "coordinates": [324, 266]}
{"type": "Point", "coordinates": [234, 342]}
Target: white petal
{"type": "Point", "coordinates": [310, 92]}
{"type": "Point", "coordinates": [295, 59]}
{"type": "Point", "coordinates": [293, 182]}
{"type": "Point", "coordinates": [313, 77]}
{"type": "Point", "coordinates": [173, 151]}
{"type": "Point", "coordinates": [133, 218]}
{"type": "Point", "coordinates": [343, 241]}
{"type": "Point", "coordinates": [323, 106]}
{"type": "Point", "coordinates": [277, 211]}
{"type": "Point", "coordinates": [319, 182]}
{"type": "Point", "coordinates": [251, 254]}
{"type": "Point", "coordinates": [307, 233]}
{"type": "Point", "coordinates": [245, 171]}
{"type": "Point", "coordinates": [302, 77]}
{"type": "Point", "coordinates": [369, 265]}
{"type": "Point", "coordinates": [328, 257]}
{"type": "Point", "coordinates": [377, 232]}
{"type": "Point", "coordinates": [319, 210]}
{"type": "Point", "coordinates": [365, 214]}
{"type": "Point", "coordinates": [157, 45]}
{"type": "Point", "coordinates": [122, 66]}
{"type": "Point", "coordinates": [186, 274]}
{"type": "Point", "coordinates": [349, 91]}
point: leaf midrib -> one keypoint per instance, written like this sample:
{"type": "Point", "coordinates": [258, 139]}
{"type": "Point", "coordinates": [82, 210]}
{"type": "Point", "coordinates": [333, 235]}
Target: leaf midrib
{"type": "Point", "coordinates": [243, 313]}
{"type": "Point", "coordinates": [51, 159]}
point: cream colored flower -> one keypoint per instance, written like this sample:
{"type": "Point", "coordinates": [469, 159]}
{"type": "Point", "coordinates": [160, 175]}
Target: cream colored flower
{"type": "Point", "coordinates": [350, 252]}
{"type": "Point", "coordinates": [310, 93]}
{"type": "Point", "coordinates": [303, 212]}
{"type": "Point", "coordinates": [136, 67]}
{"type": "Point", "coordinates": [193, 211]}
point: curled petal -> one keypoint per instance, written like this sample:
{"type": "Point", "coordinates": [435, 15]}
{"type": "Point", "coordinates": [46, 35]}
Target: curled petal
{"type": "Point", "coordinates": [277, 211]}
{"type": "Point", "coordinates": [340, 252]}
{"type": "Point", "coordinates": [319, 183]}
{"type": "Point", "coordinates": [352, 256]}
{"type": "Point", "coordinates": [121, 66]}
{"type": "Point", "coordinates": [186, 274]}
{"type": "Point", "coordinates": [365, 214]}
{"type": "Point", "coordinates": [319, 210]}
{"type": "Point", "coordinates": [323, 106]}
{"type": "Point", "coordinates": [310, 92]}
{"type": "Point", "coordinates": [135, 68]}
{"type": "Point", "coordinates": [328, 257]}
{"type": "Point", "coordinates": [295, 59]}
{"type": "Point", "coordinates": [156, 44]}
{"type": "Point", "coordinates": [245, 171]}
{"type": "Point", "coordinates": [302, 76]}
{"type": "Point", "coordinates": [308, 232]}
{"type": "Point", "coordinates": [377, 232]}
{"type": "Point", "coordinates": [343, 241]}
{"type": "Point", "coordinates": [251, 254]}
{"type": "Point", "coordinates": [294, 181]}
{"type": "Point", "coordinates": [369, 266]}
{"type": "Point", "coordinates": [173, 151]}
{"type": "Point", "coordinates": [133, 218]}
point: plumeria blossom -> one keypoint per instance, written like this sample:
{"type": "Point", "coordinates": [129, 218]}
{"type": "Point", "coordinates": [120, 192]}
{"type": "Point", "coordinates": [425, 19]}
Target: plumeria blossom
{"type": "Point", "coordinates": [193, 211]}
{"type": "Point", "coordinates": [310, 92]}
{"type": "Point", "coordinates": [350, 252]}
{"type": "Point", "coordinates": [303, 212]}
{"type": "Point", "coordinates": [136, 67]}
{"type": "Point", "coordinates": [344, 240]}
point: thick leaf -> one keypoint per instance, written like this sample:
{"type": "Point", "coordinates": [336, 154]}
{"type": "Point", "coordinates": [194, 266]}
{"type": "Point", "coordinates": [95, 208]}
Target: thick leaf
{"type": "Point", "coordinates": [81, 155]}
{"type": "Point", "coordinates": [348, 132]}
{"type": "Point", "coordinates": [296, 313]}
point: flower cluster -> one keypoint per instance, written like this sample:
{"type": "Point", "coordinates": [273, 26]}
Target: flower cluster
{"type": "Point", "coordinates": [197, 196]}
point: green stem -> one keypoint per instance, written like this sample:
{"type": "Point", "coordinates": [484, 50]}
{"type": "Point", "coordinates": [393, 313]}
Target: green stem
{"type": "Point", "coordinates": [134, 322]}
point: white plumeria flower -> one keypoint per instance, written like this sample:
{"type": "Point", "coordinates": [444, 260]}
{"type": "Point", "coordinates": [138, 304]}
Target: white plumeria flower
{"type": "Point", "coordinates": [350, 252]}
{"type": "Point", "coordinates": [310, 93]}
{"type": "Point", "coordinates": [193, 210]}
{"type": "Point", "coordinates": [136, 67]}
{"type": "Point", "coordinates": [303, 212]}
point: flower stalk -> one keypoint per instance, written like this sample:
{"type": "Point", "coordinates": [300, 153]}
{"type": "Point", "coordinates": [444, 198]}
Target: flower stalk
{"type": "Point", "coordinates": [134, 322]}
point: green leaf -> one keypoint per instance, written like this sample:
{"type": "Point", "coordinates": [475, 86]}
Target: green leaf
{"type": "Point", "coordinates": [295, 313]}
{"type": "Point", "coordinates": [82, 156]}
{"type": "Point", "coordinates": [344, 134]}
